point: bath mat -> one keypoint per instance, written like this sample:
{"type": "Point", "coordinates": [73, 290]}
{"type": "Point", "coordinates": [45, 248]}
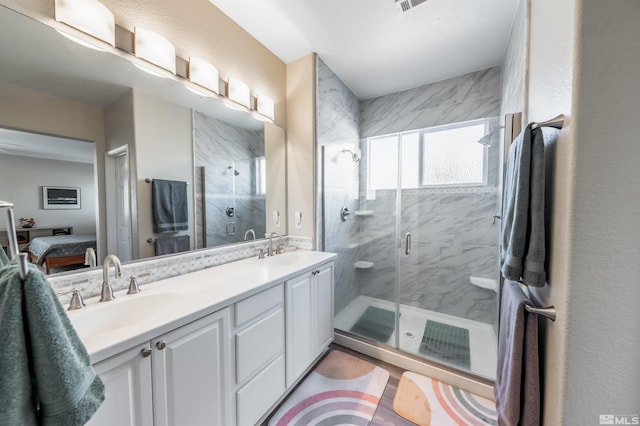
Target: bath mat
{"type": "Point", "coordinates": [341, 390]}
{"type": "Point", "coordinates": [428, 402]}
{"type": "Point", "coordinates": [375, 323]}
{"type": "Point", "coordinates": [447, 343]}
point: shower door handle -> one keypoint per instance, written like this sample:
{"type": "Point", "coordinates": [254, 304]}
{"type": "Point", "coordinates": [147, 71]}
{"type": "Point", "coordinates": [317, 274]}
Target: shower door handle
{"type": "Point", "coordinates": [407, 238]}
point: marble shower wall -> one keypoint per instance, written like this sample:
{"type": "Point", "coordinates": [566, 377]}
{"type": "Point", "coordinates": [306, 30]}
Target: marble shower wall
{"type": "Point", "coordinates": [513, 65]}
{"type": "Point", "coordinates": [337, 129]}
{"type": "Point", "coordinates": [463, 98]}
{"type": "Point", "coordinates": [226, 175]}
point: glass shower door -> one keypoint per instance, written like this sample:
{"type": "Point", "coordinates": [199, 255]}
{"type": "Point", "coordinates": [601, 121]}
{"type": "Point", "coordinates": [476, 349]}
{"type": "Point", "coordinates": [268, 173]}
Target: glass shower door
{"type": "Point", "coordinates": [449, 245]}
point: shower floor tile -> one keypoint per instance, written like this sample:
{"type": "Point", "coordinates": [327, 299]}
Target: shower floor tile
{"type": "Point", "coordinates": [483, 342]}
{"type": "Point", "coordinates": [375, 323]}
{"type": "Point", "coordinates": [447, 343]}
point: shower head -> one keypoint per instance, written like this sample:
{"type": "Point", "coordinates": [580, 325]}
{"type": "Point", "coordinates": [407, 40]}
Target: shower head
{"type": "Point", "coordinates": [235, 172]}
{"type": "Point", "coordinates": [355, 156]}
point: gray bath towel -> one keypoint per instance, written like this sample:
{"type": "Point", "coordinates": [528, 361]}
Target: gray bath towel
{"type": "Point", "coordinates": [172, 245]}
{"type": "Point", "coordinates": [46, 376]}
{"type": "Point", "coordinates": [523, 210]}
{"type": "Point", "coordinates": [170, 205]}
{"type": "Point", "coordinates": [517, 386]}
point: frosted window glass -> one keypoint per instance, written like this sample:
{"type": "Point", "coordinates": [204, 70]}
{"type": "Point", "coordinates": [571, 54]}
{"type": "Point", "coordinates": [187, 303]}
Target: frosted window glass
{"type": "Point", "coordinates": [454, 156]}
{"type": "Point", "coordinates": [410, 160]}
{"type": "Point", "coordinates": [383, 163]}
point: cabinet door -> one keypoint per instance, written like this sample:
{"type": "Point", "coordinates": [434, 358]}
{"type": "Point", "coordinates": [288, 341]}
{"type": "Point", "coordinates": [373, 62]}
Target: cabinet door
{"type": "Point", "coordinates": [127, 379]}
{"type": "Point", "coordinates": [323, 308]}
{"type": "Point", "coordinates": [298, 326]}
{"type": "Point", "coordinates": [191, 373]}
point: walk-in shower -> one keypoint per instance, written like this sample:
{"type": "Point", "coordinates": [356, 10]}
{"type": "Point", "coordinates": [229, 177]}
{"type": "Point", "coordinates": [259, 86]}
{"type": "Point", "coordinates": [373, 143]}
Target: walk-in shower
{"type": "Point", "coordinates": [417, 266]}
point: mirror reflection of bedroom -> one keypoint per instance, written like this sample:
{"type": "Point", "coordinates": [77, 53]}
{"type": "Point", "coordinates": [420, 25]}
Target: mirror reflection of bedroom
{"type": "Point", "coordinates": [52, 180]}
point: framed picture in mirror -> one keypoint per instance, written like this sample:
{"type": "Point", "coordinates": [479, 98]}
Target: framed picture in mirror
{"type": "Point", "coordinates": [60, 198]}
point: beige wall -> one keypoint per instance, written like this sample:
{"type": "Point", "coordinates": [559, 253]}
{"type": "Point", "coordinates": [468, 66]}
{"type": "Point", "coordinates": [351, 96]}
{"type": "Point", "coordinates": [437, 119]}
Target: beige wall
{"type": "Point", "coordinates": [276, 171]}
{"type": "Point", "coordinates": [196, 28]}
{"type": "Point", "coordinates": [584, 63]}
{"type": "Point", "coordinates": [301, 136]}
{"type": "Point", "coordinates": [38, 112]}
{"type": "Point", "coordinates": [164, 150]}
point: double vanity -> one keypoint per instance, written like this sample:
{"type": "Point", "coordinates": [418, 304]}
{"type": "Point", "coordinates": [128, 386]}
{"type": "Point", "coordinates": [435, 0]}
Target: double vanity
{"type": "Point", "coordinates": [220, 346]}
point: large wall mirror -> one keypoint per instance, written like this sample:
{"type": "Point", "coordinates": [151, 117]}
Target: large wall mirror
{"type": "Point", "coordinates": [59, 99]}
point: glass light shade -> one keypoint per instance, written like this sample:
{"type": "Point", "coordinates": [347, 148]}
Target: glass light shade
{"type": "Point", "coordinates": [89, 16]}
{"type": "Point", "coordinates": [155, 49]}
{"type": "Point", "coordinates": [203, 74]}
{"type": "Point", "coordinates": [265, 106]}
{"type": "Point", "coordinates": [239, 92]}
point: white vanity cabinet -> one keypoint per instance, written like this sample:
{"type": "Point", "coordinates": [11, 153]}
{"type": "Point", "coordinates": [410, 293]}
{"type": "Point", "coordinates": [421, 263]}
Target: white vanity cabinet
{"type": "Point", "coordinates": [179, 378]}
{"type": "Point", "coordinates": [259, 354]}
{"type": "Point", "coordinates": [127, 380]}
{"type": "Point", "coordinates": [309, 319]}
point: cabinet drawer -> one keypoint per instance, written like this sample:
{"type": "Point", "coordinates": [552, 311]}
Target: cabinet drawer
{"type": "Point", "coordinates": [257, 396]}
{"type": "Point", "coordinates": [258, 344]}
{"type": "Point", "coordinates": [253, 306]}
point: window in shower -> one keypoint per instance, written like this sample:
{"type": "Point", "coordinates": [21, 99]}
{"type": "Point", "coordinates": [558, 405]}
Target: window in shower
{"type": "Point", "coordinates": [448, 155]}
{"type": "Point", "coordinates": [454, 157]}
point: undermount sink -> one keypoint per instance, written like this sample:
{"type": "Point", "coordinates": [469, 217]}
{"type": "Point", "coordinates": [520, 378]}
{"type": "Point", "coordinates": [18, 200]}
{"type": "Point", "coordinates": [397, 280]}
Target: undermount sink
{"type": "Point", "coordinates": [124, 311]}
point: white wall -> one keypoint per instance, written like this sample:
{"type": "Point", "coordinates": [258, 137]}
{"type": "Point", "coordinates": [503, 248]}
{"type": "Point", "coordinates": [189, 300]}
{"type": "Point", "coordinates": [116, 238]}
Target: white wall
{"type": "Point", "coordinates": [164, 150]}
{"type": "Point", "coordinates": [22, 180]}
{"type": "Point", "coordinates": [585, 61]}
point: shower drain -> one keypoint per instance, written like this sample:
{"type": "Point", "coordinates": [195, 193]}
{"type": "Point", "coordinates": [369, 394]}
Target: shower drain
{"type": "Point", "coordinates": [409, 334]}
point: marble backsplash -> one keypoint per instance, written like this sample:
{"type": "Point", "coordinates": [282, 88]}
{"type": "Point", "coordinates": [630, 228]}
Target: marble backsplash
{"type": "Point", "coordinates": [90, 281]}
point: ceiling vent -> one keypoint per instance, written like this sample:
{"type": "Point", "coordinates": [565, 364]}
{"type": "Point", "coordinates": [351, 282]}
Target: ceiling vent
{"type": "Point", "coordinates": [406, 5]}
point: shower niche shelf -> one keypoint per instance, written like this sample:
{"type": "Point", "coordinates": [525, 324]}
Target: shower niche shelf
{"type": "Point", "coordinates": [363, 264]}
{"type": "Point", "coordinates": [363, 212]}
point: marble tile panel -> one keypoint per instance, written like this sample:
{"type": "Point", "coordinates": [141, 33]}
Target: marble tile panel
{"type": "Point", "coordinates": [435, 230]}
{"type": "Point", "coordinates": [479, 84]}
{"type": "Point", "coordinates": [485, 205]}
{"type": "Point", "coordinates": [457, 205]}
{"type": "Point", "coordinates": [415, 205]}
{"type": "Point", "coordinates": [485, 233]}
{"type": "Point", "coordinates": [331, 87]}
{"type": "Point", "coordinates": [454, 112]}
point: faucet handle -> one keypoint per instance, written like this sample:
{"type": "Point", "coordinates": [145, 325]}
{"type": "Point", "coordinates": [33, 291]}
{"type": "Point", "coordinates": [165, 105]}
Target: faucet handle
{"type": "Point", "coordinates": [76, 300]}
{"type": "Point", "coordinates": [133, 282]}
{"type": "Point", "coordinates": [260, 253]}
{"type": "Point", "coordinates": [280, 249]}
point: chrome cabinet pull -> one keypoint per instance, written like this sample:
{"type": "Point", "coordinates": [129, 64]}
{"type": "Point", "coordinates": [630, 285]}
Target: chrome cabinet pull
{"type": "Point", "coordinates": [407, 238]}
{"type": "Point", "coordinates": [161, 344]}
{"type": "Point", "coordinates": [146, 352]}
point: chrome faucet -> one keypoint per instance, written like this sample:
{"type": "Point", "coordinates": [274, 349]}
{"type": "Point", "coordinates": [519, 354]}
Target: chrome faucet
{"type": "Point", "coordinates": [90, 257]}
{"type": "Point", "coordinates": [250, 231]}
{"type": "Point", "coordinates": [107, 290]}
{"type": "Point", "coordinates": [270, 251]}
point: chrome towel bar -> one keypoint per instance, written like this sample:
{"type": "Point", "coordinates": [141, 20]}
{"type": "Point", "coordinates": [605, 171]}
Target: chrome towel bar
{"type": "Point", "coordinates": [549, 312]}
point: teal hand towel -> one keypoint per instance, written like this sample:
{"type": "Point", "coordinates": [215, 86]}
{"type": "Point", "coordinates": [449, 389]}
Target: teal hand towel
{"type": "Point", "coordinates": [46, 376]}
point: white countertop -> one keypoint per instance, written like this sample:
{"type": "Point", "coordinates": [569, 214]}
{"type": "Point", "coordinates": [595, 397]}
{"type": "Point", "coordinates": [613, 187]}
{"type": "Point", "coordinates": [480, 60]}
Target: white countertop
{"type": "Point", "coordinates": [109, 328]}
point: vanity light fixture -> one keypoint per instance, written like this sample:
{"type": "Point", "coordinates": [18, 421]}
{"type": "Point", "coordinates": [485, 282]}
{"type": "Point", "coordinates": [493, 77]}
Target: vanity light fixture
{"type": "Point", "coordinates": [203, 74]}
{"type": "Point", "coordinates": [265, 106]}
{"type": "Point", "coordinates": [239, 92]}
{"type": "Point", "coordinates": [88, 16]}
{"type": "Point", "coordinates": [154, 49]}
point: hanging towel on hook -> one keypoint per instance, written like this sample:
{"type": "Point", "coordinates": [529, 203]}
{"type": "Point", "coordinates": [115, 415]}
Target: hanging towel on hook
{"type": "Point", "coordinates": [46, 377]}
{"type": "Point", "coordinates": [523, 207]}
{"type": "Point", "coordinates": [517, 387]}
{"type": "Point", "coordinates": [170, 205]}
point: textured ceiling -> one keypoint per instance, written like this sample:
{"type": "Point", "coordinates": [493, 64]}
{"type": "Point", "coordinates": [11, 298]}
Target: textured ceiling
{"type": "Point", "coordinates": [375, 48]}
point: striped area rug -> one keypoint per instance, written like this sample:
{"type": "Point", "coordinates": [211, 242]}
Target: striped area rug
{"type": "Point", "coordinates": [341, 390]}
{"type": "Point", "coordinates": [428, 402]}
